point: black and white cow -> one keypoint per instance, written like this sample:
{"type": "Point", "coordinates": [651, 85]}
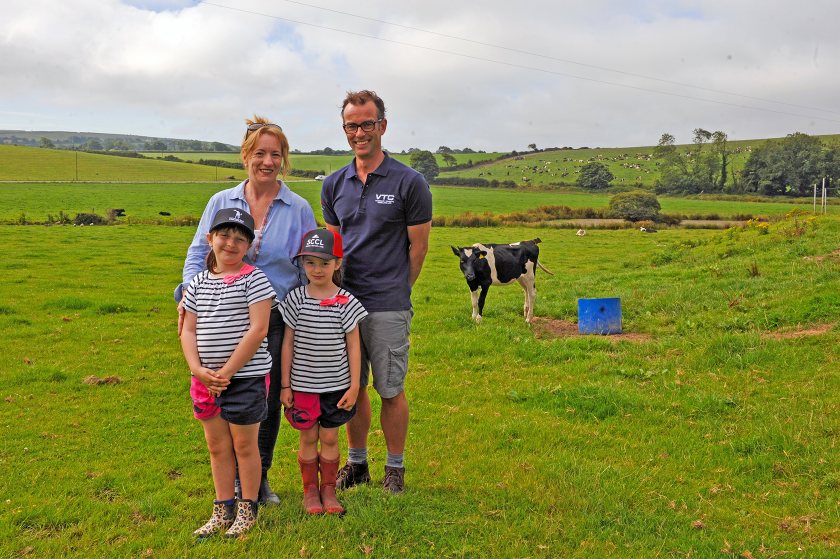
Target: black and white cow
{"type": "Point", "coordinates": [495, 264]}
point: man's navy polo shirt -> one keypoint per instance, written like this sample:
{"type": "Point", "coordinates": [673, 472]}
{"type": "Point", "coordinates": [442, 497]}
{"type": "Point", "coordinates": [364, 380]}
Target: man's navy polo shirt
{"type": "Point", "coordinates": [372, 219]}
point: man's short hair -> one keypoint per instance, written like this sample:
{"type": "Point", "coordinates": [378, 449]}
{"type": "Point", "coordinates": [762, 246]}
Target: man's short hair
{"type": "Point", "coordinates": [362, 97]}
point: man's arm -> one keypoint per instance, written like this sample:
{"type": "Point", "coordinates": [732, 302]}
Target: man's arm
{"type": "Point", "coordinates": [418, 238]}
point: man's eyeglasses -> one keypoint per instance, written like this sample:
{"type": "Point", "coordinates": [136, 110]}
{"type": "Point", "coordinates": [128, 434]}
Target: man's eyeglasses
{"type": "Point", "coordinates": [258, 125]}
{"type": "Point", "coordinates": [366, 126]}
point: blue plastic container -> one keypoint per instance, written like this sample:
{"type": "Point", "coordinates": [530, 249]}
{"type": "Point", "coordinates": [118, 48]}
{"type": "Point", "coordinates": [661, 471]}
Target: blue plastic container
{"type": "Point", "coordinates": [599, 316]}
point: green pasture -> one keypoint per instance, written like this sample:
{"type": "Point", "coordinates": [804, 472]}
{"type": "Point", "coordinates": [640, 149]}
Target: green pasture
{"type": "Point", "coordinates": [709, 430]}
{"type": "Point", "coordinates": [18, 163]}
{"type": "Point", "coordinates": [37, 164]}
{"type": "Point", "coordinates": [326, 163]}
{"type": "Point", "coordinates": [629, 165]}
{"type": "Point", "coordinates": [35, 202]}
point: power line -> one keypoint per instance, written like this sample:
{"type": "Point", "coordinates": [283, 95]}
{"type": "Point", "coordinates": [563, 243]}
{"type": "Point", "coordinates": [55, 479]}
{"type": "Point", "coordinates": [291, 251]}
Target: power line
{"type": "Point", "coordinates": [523, 66]}
{"type": "Point", "coordinates": [558, 59]}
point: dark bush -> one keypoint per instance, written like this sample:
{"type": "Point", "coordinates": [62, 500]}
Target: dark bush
{"type": "Point", "coordinates": [307, 173]}
{"type": "Point", "coordinates": [220, 163]}
{"type": "Point", "coordinates": [89, 219]}
{"type": "Point", "coordinates": [635, 206]}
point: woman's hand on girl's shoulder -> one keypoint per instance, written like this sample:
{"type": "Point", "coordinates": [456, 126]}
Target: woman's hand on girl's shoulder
{"type": "Point", "coordinates": [349, 399]}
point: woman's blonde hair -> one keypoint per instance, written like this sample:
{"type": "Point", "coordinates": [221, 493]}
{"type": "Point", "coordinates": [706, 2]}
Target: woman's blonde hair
{"type": "Point", "coordinates": [249, 142]}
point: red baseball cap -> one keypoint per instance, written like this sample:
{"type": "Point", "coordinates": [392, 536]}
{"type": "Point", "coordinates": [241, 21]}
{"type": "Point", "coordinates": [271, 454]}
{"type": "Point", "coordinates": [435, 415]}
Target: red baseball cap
{"type": "Point", "coordinates": [321, 243]}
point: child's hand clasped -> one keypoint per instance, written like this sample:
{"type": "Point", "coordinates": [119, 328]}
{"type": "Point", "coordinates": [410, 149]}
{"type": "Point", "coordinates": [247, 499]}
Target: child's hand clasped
{"type": "Point", "coordinates": [215, 383]}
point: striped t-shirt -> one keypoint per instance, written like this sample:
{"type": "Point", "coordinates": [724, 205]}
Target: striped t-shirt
{"type": "Point", "coordinates": [320, 349]}
{"type": "Point", "coordinates": [222, 318]}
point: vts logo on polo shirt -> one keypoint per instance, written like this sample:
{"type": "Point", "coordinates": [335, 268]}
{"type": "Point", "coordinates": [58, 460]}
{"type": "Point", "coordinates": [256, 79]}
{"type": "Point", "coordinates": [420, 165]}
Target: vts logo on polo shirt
{"type": "Point", "coordinates": [315, 241]}
{"type": "Point", "coordinates": [384, 198]}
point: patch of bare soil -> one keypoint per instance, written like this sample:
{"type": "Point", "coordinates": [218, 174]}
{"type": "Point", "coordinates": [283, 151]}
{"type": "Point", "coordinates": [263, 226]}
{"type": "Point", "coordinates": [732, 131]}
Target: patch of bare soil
{"type": "Point", "coordinates": [834, 255]}
{"type": "Point", "coordinates": [93, 379]}
{"type": "Point", "coordinates": [549, 328]}
{"type": "Point", "coordinates": [801, 333]}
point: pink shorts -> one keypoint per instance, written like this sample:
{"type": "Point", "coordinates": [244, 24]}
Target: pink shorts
{"type": "Point", "coordinates": [204, 405]}
{"type": "Point", "coordinates": [310, 409]}
{"type": "Point", "coordinates": [305, 412]}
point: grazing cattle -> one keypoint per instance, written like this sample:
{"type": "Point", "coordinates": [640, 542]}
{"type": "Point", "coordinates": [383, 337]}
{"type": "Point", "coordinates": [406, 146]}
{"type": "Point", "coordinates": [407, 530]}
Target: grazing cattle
{"type": "Point", "coordinates": [164, 213]}
{"type": "Point", "coordinates": [484, 265]}
{"type": "Point", "coordinates": [647, 229]}
{"type": "Point", "coordinates": [119, 212]}
{"type": "Point", "coordinates": [580, 233]}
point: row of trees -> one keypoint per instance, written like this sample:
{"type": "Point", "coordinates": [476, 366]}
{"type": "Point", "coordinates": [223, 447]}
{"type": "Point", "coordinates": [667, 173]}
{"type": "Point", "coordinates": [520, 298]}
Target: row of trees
{"type": "Point", "coordinates": [702, 169]}
{"type": "Point", "coordinates": [790, 166]}
{"type": "Point", "coordinates": [121, 143]}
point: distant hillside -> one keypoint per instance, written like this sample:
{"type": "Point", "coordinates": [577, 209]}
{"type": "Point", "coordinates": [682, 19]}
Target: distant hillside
{"type": "Point", "coordinates": [561, 167]}
{"type": "Point", "coordinates": [95, 141]}
{"type": "Point", "coordinates": [35, 164]}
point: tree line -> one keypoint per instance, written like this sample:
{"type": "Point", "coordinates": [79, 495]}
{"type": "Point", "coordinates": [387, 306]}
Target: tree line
{"type": "Point", "coordinates": [790, 166]}
{"type": "Point", "coordinates": [115, 143]}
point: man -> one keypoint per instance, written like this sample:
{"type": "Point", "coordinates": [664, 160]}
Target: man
{"type": "Point", "coordinates": [383, 210]}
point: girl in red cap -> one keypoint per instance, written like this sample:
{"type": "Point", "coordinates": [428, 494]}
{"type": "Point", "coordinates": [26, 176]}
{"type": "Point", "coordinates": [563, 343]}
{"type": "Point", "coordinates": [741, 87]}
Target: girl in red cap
{"type": "Point", "coordinates": [321, 362]}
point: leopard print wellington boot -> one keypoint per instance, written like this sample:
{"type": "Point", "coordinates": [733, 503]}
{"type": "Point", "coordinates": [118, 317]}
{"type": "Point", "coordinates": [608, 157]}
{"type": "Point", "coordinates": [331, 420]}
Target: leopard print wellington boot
{"type": "Point", "coordinates": [222, 518]}
{"type": "Point", "coordinates": [246, 517]}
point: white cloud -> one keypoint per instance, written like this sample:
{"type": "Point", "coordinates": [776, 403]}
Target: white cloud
{"type": "Point", "coordinates": [196, 70]}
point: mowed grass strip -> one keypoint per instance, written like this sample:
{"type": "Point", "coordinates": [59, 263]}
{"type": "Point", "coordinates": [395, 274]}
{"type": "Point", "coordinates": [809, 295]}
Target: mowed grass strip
{"type": "Point", "coordinates": [713, 433]}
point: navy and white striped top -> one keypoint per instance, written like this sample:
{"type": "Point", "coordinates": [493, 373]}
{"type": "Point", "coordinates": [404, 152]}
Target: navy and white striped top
{"type": "Point", "coordinates": [222, 318]}
{"type": "Point", "coordinates": [320, 349]}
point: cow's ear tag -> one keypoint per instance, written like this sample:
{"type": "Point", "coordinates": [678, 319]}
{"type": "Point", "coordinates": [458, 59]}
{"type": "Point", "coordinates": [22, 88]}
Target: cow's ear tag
{"type": "Point", "coordinates": [480, 256]}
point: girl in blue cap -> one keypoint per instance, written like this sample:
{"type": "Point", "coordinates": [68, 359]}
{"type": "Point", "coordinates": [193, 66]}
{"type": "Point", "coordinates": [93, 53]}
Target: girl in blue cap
{"type": "Point", "coordinates": [224, 342]}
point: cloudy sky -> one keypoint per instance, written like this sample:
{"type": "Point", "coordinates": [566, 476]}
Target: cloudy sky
{"type": "Point", "coordinates": [494, 75]}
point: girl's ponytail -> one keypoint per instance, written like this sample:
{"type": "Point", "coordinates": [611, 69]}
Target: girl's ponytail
{"type": "Point", "coordinates": [210, 261]}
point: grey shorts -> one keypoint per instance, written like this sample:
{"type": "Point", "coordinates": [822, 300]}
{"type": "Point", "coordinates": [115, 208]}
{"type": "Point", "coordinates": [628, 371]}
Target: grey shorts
{"type": "Point", "coordinates": [385, 350]}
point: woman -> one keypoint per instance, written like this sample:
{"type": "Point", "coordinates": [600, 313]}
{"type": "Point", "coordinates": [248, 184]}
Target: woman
{"type": "Point", "coordinates": [282, 218]}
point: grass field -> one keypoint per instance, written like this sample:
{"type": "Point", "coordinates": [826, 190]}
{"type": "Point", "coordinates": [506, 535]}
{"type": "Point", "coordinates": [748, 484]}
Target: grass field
{"type": "Point", "coordinates": [326, 163]}
{"type": "Point", "coordinates": [34, 202]}
{"type": "Point", "coordinates": [634, 165]}
{"type": "Point", "coordinates": [35, 164]}
{"type": "Point", "coordinates": [709, 430]}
